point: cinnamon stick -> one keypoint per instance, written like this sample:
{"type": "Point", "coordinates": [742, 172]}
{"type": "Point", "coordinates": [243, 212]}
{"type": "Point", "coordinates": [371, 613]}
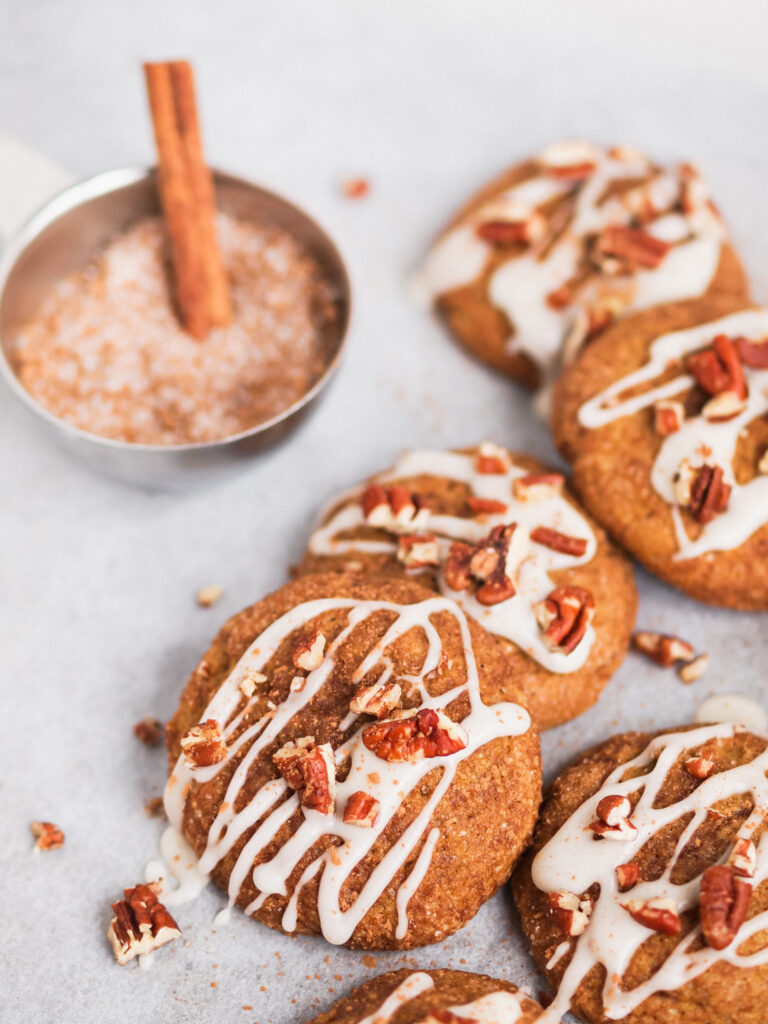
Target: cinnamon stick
{"type": "Point", "coordinates": [187, 198]}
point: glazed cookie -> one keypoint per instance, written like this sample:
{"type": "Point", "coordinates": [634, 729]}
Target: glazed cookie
{"type": "Point", "coordinates": [501, 535]}
{"type": "Point", "coordinates": [433, 997]}
{"type": "Point", "coordinates": [547, 255]}
{"type": "Point", "coordinates": [644, 894]}
{"type": "Point", "coordinates": [664, 419]}
{"type": "Point", "coordinates": [348, 759]}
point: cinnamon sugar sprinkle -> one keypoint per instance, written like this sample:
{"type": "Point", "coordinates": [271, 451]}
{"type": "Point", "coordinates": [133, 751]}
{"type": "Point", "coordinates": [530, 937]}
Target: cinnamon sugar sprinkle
{"type": "Point", "coordinates": [106, 351]}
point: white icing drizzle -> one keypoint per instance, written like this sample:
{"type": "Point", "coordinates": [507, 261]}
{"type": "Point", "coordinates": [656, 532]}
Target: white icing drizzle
{"type": "Point", "coordinates": [389, 783]}
{"type": "Point", "coordinates": [407, 990]}
{"type": "Point", "coordinates": [513, 619]}
{"type": "Point", "coordinates": [699, 440]}
{"type": "Point", "coordinates": [494, 1008]}
{"type": "Point", "coordinates": [413, 881]}
{"type": "Point", "coordinates": [735, 708]}
{"type": "Point", "coordinates": [520, 286]}
{"type": "Point", "coordinates": [177, 861]}
{"type": "Point", "coordinates": [558, 955]}
{"type": "Point", "coordinates": [573, 860]}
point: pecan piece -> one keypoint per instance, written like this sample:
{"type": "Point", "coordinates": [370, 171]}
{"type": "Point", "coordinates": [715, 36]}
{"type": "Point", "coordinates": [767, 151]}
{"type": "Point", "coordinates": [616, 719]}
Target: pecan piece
{"type": "Point", "coordinates": [362, 809]}
{"type": "Point", "coordinates": [418, 734]}
{"type": "Point", "coordinates": [709, 494]}
{"type": "Point", "coordinates": [378, 699]}
{"type": "Point", "coordinates": [665, 650]}
{"type": "Point", "coordinates": [699, 767]}
{"type": "Point", "coordinates": [613, 822]}
{"type": "Point", "coordinates": [504, 233]}
{"type": "Point", "coordinates": [206, 596]}
{"type": "Point", "coordinates": [723, 904]}
{"type": "Point", "coordinates": [694, 670]}
{"type": "Point", "coordinates": [564, 616]}
{"type": "Point", "coordinates": [570, 911]}
{"type": "Point", "coordinates": [394, 509]}
{"type": "Point", "coordinates": [456, 568]}
{"type": "Point", "coordinates": [538, 486]}
{"type": "Point", "coordinates": [487, 506]}
{"type": "Point", "coordinates": [660, 915]}
{"type": "Point", "coordinates": [743, 858]}
{"type": "Point", "coordinates": [141, 924]}
{"type": "Point", "coordinates": [490, 565]}
{"type": "Point", "coordinates": [203, 744]}
{"type": "Point", "coordinates": [718, 368]}
{"type": "Point", "coordinates": [491, 459]}
{"type": "Point", "coordinates": [311, 771]}
{"type": "Point", "coordinates": [309, 651]}
{"type": "Point", "coordinates": [753, 353]}
{"type": "Point", "coordinates": [418, 550]}
{"type": "Point", "coordinates": [47, 835]}
{"type": "Point", "coordinates": [620, 249]}
{"type": "Point", "coordinates": [627, 875]}
{"type": "Point", "coordinates": [149, 730]}
{"type": "Point", "coordinates": [668, 417]}
{"type": "Point", "coordinates": [723, 407]}
{"type": "Point", "coordinates": [559, 541]}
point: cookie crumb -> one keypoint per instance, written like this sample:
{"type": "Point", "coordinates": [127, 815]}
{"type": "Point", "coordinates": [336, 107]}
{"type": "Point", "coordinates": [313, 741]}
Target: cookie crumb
{"type": "Point", "coordinates": [47, 835]}
{"type": "Point", "coordinates": [206, 596]}
{"type": "Point", "coordinates": [149, 730]}
{"type": "Point", "coordinates": [355, 188]}
{"type": "Point", "coordinates": [155, 808]}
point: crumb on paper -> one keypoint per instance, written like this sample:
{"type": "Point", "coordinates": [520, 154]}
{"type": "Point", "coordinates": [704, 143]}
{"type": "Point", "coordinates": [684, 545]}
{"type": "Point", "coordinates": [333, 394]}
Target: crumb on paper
{"type": "Point", "coordinates": [206, 596]}
{"type": "Point", "coordinates": [149, 730]}
{"type": "Point", "coordinates": [47, 835]}
{"type": "Point", "coordinates": [694, 670]}
{"type": "Point", "coordinates": [355, 188]}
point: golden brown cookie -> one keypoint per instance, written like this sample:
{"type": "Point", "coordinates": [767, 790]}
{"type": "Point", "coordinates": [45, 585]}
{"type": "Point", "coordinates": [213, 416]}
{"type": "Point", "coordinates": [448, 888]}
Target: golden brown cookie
{"type": "Point", "coordinates": [555, 592]}
{"type": "Point", "coordinates": [433, 997]}
{"type": "Point", "coordinates": [643, 894]}
{"type": "Point", "coordinates": [664, 419]}
{"type": "Point", "coordinates": [543, 258]}
{"type": "Point", "coordinates": [348, 759]}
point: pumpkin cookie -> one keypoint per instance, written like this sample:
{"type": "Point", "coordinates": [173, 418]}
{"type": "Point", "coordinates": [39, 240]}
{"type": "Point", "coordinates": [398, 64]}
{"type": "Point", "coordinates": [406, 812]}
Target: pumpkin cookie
{"type": "Point", "coordinates": [349, 759]}
{"type": "Point", "coordinates": [644, 894]}
{"type": "Point", "coordinates": [664, 419]}
{"type": "Point", "coordinates": [501, 535]}
{"type": "Point", "coordinates": [542, 259]}
{"type": "Point", "coordinates": [433, 997]}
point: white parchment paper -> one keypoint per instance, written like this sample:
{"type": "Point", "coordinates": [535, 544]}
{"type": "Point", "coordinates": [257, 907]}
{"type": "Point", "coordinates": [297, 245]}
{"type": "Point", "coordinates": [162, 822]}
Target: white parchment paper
{"type": "Point", "coordinates": [99, 625]}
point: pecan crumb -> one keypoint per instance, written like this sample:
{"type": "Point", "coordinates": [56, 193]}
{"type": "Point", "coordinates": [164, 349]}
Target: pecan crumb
{"type": "Point", "coordinates": [47, 835]}
{"type": "Point", "coordinates": [206, 596]}
{"type": "Point", "coordinates": [694, 670]}
{"type": "Point", "coordinates": [149, 730]}
{"type": "Point", "coordinates": [141, 924]}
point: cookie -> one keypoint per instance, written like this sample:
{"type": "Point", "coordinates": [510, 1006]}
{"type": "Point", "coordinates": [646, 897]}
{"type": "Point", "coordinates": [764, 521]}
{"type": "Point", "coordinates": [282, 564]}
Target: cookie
{"type": "Point", "coordinates": [644, 895]}
{"type": "Point", "coordinates": [542, 259]}
{"type": "Point", "coordinates": [348, 759]}
{"type": "Point", "coordinates": [664, 420]}
{"type": "Point", "coordinates": [500, 534]}
{"type": "Point", "coordinates": [433, 997]}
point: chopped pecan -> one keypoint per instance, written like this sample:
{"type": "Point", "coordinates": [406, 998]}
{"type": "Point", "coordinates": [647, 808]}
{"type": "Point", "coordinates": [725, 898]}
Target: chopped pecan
{"type": "Point", "coordinates": [668, 417]}
{"type": "Point", "coordinates": [355, 188]}
{"type": "Point", "coordinates": [538, 486]}
{"type": "Point", "coordinates": [709, 494]}
{"type": "Point", "coordinates": [724, 407]}
{"type": "Point", "coordinates": [378, 699]}
{"type": "Point", "coordinates": [141, 924]}
{"type": "Point", "coordinates": [718, 368]}
{"type": "Point", "coordinates": [660, 915]}
{"type": "Point", "coordinates": [620, 249]}
{"type": "Point", "coordinates": [743, 858]}
{"type": "Point", "coordinates": [564, 616]}
{"type": "Point", "coordinates": [570, 911]}
{"type": "Point", "coordinates": [753, 353]}
{"type": "Point", "coordinates": [311, 771]}
{"type": "Point", "coordinates": [627, 875]}
{"type": "Point", "coordinates": [559, 541]}
{"type": "Point", "coordinates": [309, 651]}
{"type": "Point", "coordinates": [491, 459]}
{"type": "Point", "coordinates": [250, 681]}
{"type": "Point", "coordinates": [613, 809]}
{"type": "Point", "coordinates": [149, 730]}
{"type": "Point", "coordinates": [504, 233]}
{"type": "Point", "coordinates": [47, 835]}
{"type": "Point", "coordinates": [487, 506]}
{"type": "Point", "coordinates": [665, 650]}
{"type": "Point", "coordinates": [418, 550]}
{"type": "Point", "coordinates": [723, 904]}
{"type": "Point", "coordinates": [419, 734]}
{"type": "Point", "coordinates": [490, 565]}
{"type": "Point", "coordinates": [362, 809]}
{"type": "Point", "coordinates": [394, 509]}
{"type": "Point", "coordinates": [695, 669]}
{"type": "Point", "coordinates": [625, 831]}
{"type": "Point", "coordinates": [699, 767]}
{"type": "Point", "coordinates": [203, 744]}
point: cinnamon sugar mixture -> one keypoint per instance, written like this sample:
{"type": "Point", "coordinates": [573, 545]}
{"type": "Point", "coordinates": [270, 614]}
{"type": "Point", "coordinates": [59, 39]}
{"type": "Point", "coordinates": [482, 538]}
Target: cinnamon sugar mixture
{"type": "Point", "coordinates": [106, 351]}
